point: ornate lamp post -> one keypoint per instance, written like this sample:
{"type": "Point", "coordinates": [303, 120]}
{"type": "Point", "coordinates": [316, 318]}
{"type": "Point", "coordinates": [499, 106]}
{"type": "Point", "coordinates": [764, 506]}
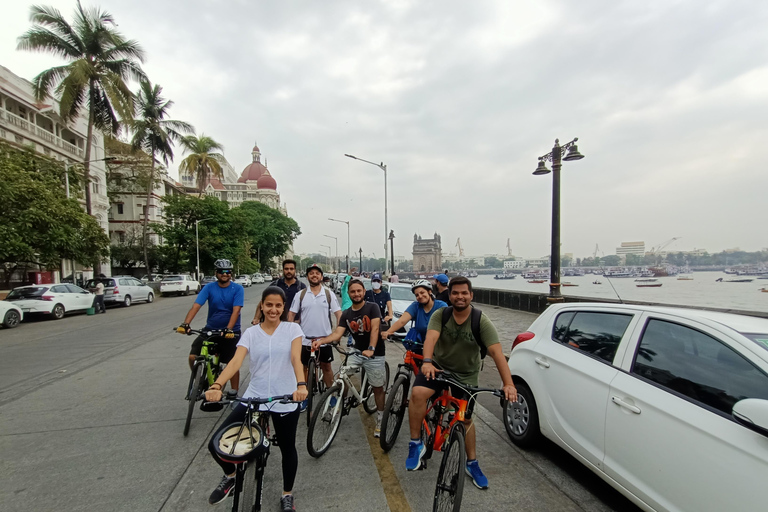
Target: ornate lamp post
{"type": "Point", "coordinates": [392, 250]}
{"type": "Point", "coordinates": [555, 156]}
{"type": "Point", "coordinates": [361, 259]}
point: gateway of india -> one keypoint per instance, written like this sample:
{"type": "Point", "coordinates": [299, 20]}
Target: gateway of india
{"type": "Point", "coordinates": [427, 254]}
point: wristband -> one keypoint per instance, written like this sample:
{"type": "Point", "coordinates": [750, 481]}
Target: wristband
{"type": "Point", "coordinates": [427, 360]}
{"type": "Point", "coordinates": [301, 384]}
{"type": "Point", "coordinates": [216, 384]}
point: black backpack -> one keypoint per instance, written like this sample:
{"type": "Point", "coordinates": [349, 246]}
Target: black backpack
{"type": "Point", "coordinates": [475, 319]}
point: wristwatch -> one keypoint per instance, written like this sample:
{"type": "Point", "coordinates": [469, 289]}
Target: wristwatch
{"type": "Point", "coordinates": [427, 360]}
{"type": "Point", "coordinates": [371, 348]}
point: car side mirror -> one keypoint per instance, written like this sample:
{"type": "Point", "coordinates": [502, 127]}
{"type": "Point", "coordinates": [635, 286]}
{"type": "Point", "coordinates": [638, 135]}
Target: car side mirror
{"type": "Point", "coordinates": [753, 414]}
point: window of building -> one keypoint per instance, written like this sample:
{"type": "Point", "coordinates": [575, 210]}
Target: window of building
{"type": "Point", "coordinates": [121, 236]}
{"type": "Point", "coordinates": [687, 361]}
{"type": "Point", "coordinates": [597, 334]}
{"type": "Point", "coordinates": [120, 208]}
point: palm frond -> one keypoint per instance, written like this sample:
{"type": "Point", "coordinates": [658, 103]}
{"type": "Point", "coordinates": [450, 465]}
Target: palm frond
{"type": "Point", "coordinates": [43, 83]}
{"type": "Point", "coordinates": [40, 39]}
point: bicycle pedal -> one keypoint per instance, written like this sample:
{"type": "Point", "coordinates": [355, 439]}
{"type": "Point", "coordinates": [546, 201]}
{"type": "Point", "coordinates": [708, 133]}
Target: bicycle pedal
{"type": "Point", "coordinates": [422, 465]}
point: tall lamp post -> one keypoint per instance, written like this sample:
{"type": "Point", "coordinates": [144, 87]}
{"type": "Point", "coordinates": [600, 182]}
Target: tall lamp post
{"type": "Point", "coordinates": [328, 259]}
{"type": "Point", "coordinates": [348, 251]}
{"type": "Point", "coordinates": [386, 225]}
{"type": "Point", "coordinates": [361, 259]}
{"type": "Point", "coordinates": [392, 250]}
{"type": "Point", "coordinates": [197, 245]}
{"type": "Point", "coordinates": [336, 259]}
{"type": "Point", "coordinates": [555, 157]}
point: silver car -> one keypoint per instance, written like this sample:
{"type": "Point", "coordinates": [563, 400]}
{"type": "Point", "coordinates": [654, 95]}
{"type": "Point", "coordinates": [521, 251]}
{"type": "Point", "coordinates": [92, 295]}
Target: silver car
{"type": "Point", "coordinates": [123, 290]}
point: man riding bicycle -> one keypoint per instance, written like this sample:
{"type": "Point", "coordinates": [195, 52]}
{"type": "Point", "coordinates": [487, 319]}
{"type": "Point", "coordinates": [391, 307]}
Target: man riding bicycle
{"type": "Point", "coordinates": [452, 345]}
{"type": "Point", "coordinates": [225, 300]}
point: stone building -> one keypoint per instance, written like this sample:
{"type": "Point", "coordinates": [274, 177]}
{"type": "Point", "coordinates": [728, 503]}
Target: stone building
{"type": "Point", "coordinates": [427, 254]}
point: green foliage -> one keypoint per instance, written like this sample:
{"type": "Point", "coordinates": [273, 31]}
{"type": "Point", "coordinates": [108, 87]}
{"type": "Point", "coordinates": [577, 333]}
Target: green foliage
{"type": "Point", "coordinates": [203, 160]}
{"type": "Point", "coordinates": [39, 224]}
{"type": "Point", "coordinates": [611, 260]}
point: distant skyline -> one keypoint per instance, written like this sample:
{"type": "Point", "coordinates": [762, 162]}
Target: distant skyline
{"type": "Point", "coordinates": [668, 99]}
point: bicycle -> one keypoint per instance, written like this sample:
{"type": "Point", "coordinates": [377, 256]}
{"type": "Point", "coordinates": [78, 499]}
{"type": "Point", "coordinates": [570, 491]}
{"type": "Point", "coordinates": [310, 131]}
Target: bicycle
{"type": "Point", "coordinates": [250, 458]}
{"type": "Point", "coordinates": [315, 384]}
{"type": "Point", "coordinates": [443, 422]}
{"type": "Point", "coordinates": [326, 417]}
{"type": "Point", "coordinates": [397, 399]}
{"type": "Point", "coordinates": [205, 370]}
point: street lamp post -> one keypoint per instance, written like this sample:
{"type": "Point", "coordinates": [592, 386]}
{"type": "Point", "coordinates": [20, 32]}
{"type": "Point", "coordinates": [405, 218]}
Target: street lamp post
{"type": "Point", "coordinates": [348, 251]}
{"type": "Point", "coordinates": [328, 259]}
{"type": "Point", "coordinates": [392, 250]}
{"type": "Point", "coordinates": [336, 259]}
{"type": "Point", "coordinates": [361, 260]}
{"type": "Point", "coordinates": [197, 245]}
{"type": "Point", "coordinates": [386, 225]}
{"type": "Point", "coordinates": [555, 156]}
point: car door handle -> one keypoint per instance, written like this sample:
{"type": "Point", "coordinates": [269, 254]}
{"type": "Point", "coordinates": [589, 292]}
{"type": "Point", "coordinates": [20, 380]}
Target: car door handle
{"type": "Point", "coordinates": [621, 403]}
{"type": "Point", "coordinates": [541, 362]}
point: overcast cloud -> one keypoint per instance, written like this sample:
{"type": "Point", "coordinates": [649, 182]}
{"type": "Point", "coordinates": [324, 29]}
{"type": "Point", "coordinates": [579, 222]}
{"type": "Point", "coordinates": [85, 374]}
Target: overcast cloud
{"type": "Point", "coordinates": [669, 100]}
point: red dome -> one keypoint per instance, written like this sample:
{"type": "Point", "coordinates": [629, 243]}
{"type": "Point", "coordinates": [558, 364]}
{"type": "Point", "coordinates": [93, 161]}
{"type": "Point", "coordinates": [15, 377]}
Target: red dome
{"type": "Point", "coordinates": [266, 181]}
{"type": "Point", "coordinates": [255, 149]}
{"type": "Point", "coordinates": [252, 172]}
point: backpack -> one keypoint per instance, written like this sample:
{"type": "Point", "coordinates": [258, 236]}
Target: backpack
{"type": "Point", "coordinates": [327, 299]}
{"type": "Point", "coordinates": [475, 324]}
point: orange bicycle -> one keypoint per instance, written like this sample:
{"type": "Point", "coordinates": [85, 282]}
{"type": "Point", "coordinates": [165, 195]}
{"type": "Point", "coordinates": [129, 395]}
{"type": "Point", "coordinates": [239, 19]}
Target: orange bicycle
{"type": "Point", "coordinates": [397, 399]}
{"type": "Point", "coordinates": [443, 426]}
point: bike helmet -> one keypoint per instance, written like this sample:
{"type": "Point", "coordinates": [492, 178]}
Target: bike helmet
{"type": "Point", "coordinates": [223, 265]}
{"type": "Point", "coordinates": [422, 283]}
{"type": "Point", "coordinates": [239, 443]}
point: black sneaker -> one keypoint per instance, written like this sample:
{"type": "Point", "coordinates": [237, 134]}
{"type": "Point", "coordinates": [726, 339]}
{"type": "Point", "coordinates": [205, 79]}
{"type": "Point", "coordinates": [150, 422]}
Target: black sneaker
{"type": "Point", "coordinates": [286, 503]}
{"type": "Point", "coordinates": [222, 490]}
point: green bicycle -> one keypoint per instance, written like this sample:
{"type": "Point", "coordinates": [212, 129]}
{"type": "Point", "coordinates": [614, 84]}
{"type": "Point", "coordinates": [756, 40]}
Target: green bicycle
{"type": "Point", "coordinates": [204, 373]}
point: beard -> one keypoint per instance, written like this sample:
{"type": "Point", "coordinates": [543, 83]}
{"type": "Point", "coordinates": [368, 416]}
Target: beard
{"type": "Point", "coordinates": [362, 299]}
{"type": "Point", "coordinates": [460, 308]}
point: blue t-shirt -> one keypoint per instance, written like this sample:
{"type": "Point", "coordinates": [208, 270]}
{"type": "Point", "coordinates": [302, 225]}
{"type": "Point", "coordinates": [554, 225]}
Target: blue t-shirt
{"type": "Point", "coordinates": [221, 301]}
{"type": "Point", "coordinates": [421, 319]}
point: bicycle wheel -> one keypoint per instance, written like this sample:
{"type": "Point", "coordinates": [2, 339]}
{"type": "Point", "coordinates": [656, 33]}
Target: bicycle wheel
{"type": "Point", "coordinates": [193, 393]}
{"type": "Point", "coordinates": [394, 412]}
{"type": "Point", "coordinates": [370, 403]}
{"type": "Point", "coordinates": [326, 419]}
{"type": "Point", "coordinates": [249, 488]}
{"type": "Point", "coordinates": [450, 478]}
{"type": "Point", "coordinates": [312, 383]}
{"type": "Point", "coordinates": [428, 427]}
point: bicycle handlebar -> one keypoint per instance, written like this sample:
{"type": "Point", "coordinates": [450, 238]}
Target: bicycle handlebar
{"type": "Point", "coordinates": [283, 399]}
{"type": "Point", "coordinates": [351, 351]}
{"type": "Point", "coordinates": [209, 333]}
{"type": "Point", "coordinates": [446, 376]}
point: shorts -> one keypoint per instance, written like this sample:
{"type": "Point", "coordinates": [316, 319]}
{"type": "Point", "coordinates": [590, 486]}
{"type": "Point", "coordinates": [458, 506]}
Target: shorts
{"type": "Point", "coordinates": [375, 368]}
{"type": "Point", "coordinates": [226, 348]}
{"type": "Point", "coordinates": [439, 386]}
{"type": "Point", "coordinates": [324, 355]}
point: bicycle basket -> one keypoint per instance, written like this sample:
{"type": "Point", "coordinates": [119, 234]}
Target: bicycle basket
{"type": "Point", "coordinates": [239, 442]}
{"type": "Point", "coordinates": [413, 341]}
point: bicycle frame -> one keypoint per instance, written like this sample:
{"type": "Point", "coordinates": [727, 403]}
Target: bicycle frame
{"type": "Point", "coordinates": [210, 361]}
{"type": "Point", "coordinates": [441, 406]}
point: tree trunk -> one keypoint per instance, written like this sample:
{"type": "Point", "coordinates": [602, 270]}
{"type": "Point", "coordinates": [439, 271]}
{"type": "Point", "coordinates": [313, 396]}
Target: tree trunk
{"type": "Point", "coordinates": [145, 228]}
{"type": "Point", "coordinates": [87, 163]}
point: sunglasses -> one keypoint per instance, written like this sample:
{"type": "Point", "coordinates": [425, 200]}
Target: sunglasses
{"type": "Point", "coordinates": [225, 272]}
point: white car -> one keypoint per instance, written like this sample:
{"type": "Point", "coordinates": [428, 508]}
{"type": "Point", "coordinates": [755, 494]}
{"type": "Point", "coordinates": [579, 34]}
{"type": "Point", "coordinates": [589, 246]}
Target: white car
{"type": "Point", "coordinates": [182, 284]}
{"type": "Point", "coordinates": [51, 299]}
{"type": "Point", "coordinates": [258, 279]}
{"type": "Point", "coordinates": [11, 315]}
{"type": "Point", "coordinates": [667, 405]}
{"type": "Point", "coordinates": [243, 281]}
{"type": "Point", "coordinates": [402, 297]}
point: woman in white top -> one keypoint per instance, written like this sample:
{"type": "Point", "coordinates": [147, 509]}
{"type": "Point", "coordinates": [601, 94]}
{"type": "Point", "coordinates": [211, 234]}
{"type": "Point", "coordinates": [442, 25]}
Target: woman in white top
{"type": "Point", "coordinates": [273, 348]}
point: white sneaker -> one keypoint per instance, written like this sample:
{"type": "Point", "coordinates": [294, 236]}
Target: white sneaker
{"type": "Point", "coordinates": [377, 430]}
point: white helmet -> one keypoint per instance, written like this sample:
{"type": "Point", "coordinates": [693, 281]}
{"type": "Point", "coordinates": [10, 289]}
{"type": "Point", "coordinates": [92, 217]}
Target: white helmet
{"type": "Point", "coordinates": [422, 283]}
{"type": "Point", "coordinates": [238, 442]}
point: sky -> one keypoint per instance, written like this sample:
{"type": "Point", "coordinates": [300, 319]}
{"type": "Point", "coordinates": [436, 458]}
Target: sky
{"type": "Point", "coordinates": [669, 100]}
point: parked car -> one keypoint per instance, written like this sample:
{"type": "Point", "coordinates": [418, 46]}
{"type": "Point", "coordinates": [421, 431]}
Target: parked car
{"type": "Point", "coordinates": [667, 405]}
{"type": "Point", "coordinates": [153, 277]}
{"type": "Point", "coordinates": [402, 297]}
{"type": "Point", "coordinates": [180, 284]}
{"type": "Point", "coordinates": [123, 290]}
{"type": "Point", "coordinates": [244, 281]}
{"type": "Point", "coordinates": [50, 299]}
{"type": "Point", "coordinates": [11, 315]}
{"type": "Point", "coordinates": [258, 279]}
{"type": "Point", "coordinates": [208, 279]}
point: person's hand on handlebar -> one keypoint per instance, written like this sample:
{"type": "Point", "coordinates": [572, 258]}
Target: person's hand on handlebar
{"type": "Point", "coordinates": [183, 329]}
{"type": "Point", "coordinates": [317, 343]}
{"type": "Point", "coordinates": [213, 394]}
{"type": "Point", "coordinates": [429, 370]}
{"type": "Point", "coordinates": [301, 393]}
{"type": "Point", "coordinates": [510, 393]}
{"type": "Point", "coordinates": [385, 334]}
{"type": "Point", "coordinates": [229, 334]}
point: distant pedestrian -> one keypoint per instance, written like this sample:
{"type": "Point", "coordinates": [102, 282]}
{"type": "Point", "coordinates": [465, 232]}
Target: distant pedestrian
{"type": "Point", "coordinates": [382, 298]}
{"type": "Point", "coordinates": [290, 286]}
{"type": "Point", "coordinates": [442, 288]}
{"type": "Point", "coordinates": [393, 278]}
{"type": "Point", "coordinates": [98, 290]}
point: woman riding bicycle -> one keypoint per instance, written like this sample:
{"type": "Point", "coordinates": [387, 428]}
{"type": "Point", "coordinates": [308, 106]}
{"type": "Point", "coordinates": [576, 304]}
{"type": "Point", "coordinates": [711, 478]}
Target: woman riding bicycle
{"type": "Point", "coordinates": [421, 311]}
{"type": "Point", "coordinates": [274, 351]}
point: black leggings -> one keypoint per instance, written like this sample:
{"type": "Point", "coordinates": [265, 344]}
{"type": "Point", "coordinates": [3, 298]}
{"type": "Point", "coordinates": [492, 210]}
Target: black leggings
{"type": "Point", "coordinates": [285, 430]}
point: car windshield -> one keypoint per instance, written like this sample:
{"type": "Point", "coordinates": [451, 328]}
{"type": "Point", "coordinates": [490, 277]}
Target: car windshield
{"type": "Point", "coordinates": [401, 293]}
{"type": "Point", "coordinates": [759, 338]}
{"type": "Point", "coordinates": [173, 278]}
{"type": "Point", "coordinates": [27, 293]}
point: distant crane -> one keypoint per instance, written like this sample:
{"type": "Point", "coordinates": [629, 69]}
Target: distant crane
{"type": "Point", "coordinates": [461, 249]}
{"type": "Point", "coordinates": [594, 255]}
{"type": "Point", "coordinates": [658, 248]}
{"type": "Point", "coordinates": [509, 248]}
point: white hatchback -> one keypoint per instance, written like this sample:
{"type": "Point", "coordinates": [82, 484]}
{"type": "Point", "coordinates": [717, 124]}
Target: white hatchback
{"type": "Point", "coordinates": [402, 297]}
{"type": "Point", "coordinates": [182, 284]}
{"type": "Point", "coordinates": [244, 281]}
{"type": "Point", "coordinates": [51, 299]}
{"type": "Point", "coordinates": [667, 405]}
{"type": "Point", "coordinates": [11, 315]}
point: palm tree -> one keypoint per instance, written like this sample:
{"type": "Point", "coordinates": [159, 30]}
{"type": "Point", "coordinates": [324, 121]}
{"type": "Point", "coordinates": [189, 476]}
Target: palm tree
{"type": "Point", "coordinates": [202, 160]}
{"type": "Point", "coordinates": [100, 60]}
{"type": "Point", "coordinates": [155, 134]}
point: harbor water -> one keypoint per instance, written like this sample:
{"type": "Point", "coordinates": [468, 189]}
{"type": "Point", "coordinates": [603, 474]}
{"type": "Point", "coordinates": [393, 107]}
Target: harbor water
{"type": "Point", "coordinates": [703, 290]}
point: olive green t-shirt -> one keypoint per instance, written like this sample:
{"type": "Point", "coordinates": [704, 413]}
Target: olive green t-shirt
{"type": "Point", "coordinates": [456, 349]}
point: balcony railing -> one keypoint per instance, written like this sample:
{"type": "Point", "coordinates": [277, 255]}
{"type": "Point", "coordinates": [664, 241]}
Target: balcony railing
{"type": "Point", "coordinates": [20, 122]}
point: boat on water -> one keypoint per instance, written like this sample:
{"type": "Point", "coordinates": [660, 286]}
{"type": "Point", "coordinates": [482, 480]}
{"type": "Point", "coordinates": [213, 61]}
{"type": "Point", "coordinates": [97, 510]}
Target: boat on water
{"type": "Point", "coordinates": [568, 284]}
{"type": "Point", "coordinates": [613, 274]}
{"type": "Point", "coordinates": [739, 280]}
{"type": "Point", "coordinates": [537, 281]}
{"type": "Point", "coordinates": [646, 280]}
{"type": "Point", "coordinates": [597, 282]}
{"type": "Point", "coordinates": [648, 285]}
{"type": "Point", "coordinates": [764, 290]}
{"type": "Point", "coordinates": [684, 277]}
{"type": "Point", "coordinates": [505, 276]}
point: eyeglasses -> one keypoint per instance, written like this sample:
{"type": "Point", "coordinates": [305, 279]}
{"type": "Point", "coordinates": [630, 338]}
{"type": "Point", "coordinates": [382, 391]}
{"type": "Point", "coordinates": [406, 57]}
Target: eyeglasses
{"type": "Point", "coordinates": [225, 272]}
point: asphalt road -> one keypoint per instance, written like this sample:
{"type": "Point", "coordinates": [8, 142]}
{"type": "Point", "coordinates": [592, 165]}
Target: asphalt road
{"type": "Point", "coordinates": [92, 410]}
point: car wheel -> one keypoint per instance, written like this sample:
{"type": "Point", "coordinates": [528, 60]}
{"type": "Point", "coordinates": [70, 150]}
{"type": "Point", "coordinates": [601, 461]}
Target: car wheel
{"type": "Point", "coordinates": [186, 292]}
{"type": "Point", "coordinates": [197, 290]}
{"type": "Point", "coordinates": [521, 418]}
{"type": "Point", "coordinates": [12, 319]}
{"type": "Point", "coordinates": [150, 298]}
{"type": "Point", "coordinates": [127, 301]}
{"type": "Point", "coordinates": [58, 311]}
